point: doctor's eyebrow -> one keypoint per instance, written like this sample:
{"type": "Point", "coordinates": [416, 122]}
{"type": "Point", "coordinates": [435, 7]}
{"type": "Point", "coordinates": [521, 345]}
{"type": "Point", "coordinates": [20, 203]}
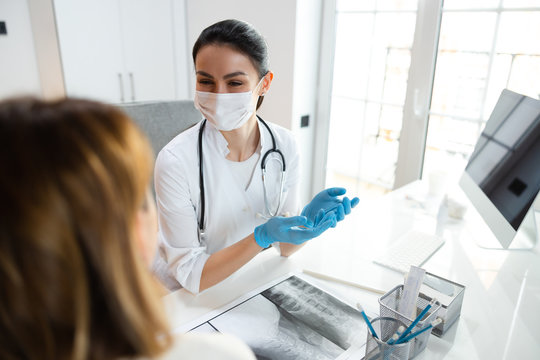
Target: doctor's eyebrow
{"type": "Point", "coordinates": [236, 73]}
{"type": "Point", "coordinates": [228, 76]}
{"type": "Point", "coordinates": [204, 74]}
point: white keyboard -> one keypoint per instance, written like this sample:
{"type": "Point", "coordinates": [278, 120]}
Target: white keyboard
{"type": "Point", "coordinates": [413, 248]}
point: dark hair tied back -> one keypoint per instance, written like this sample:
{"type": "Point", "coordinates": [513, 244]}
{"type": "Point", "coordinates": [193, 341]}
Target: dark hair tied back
{"type": "Point", "coordinates": [239, 35]}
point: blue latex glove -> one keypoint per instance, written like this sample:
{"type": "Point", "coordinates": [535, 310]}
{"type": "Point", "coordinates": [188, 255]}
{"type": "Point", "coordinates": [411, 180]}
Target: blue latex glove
{"type": "Point", "coordinates": [328, 201]}
{"type": "Point", "coordinates": [293, 230]}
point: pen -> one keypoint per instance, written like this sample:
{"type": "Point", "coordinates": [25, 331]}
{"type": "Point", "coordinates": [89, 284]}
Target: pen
{"type": "Point", "coordinates": [418, 318]}
{"type": "Point", "coordinates": [350, 283]}
{"type": "Point", "coordinates": [395, 337]}
{"type": "Point", "coordinates": [367, 321]}
{"type": "Point", "coordinates": [415, 334]}
{"type": "Point", "coordinates": [393, 340]}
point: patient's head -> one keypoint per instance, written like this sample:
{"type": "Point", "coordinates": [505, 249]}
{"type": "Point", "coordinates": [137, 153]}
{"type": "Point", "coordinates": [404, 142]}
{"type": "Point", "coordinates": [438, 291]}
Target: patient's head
{"type": "Point", "coordinates": [77, 230]}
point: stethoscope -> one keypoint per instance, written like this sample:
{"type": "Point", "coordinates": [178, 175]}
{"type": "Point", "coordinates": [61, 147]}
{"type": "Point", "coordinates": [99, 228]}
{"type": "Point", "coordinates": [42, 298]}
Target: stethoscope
{"type": "Point", "coordinates": [280, 160]}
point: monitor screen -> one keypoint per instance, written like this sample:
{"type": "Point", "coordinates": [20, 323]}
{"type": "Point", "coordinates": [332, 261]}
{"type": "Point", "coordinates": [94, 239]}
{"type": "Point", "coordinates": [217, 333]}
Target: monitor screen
{"type": "Point", "coordinates": [502, 177]}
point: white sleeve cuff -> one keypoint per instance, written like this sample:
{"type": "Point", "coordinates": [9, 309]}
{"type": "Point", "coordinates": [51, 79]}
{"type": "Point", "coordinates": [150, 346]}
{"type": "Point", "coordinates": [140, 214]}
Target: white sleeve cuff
{"type": "Point", "coordinates": [192, 280]}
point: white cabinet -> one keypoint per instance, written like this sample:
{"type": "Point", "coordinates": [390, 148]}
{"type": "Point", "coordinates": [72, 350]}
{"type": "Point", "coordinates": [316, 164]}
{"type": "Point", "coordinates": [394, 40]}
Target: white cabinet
{"type": "Point", "coordinates": [117, 50]}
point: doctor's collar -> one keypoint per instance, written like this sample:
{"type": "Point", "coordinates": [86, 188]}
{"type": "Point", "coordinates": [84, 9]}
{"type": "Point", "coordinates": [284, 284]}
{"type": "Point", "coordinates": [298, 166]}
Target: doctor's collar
{"type": "Point", "coordinates": [217, 138]}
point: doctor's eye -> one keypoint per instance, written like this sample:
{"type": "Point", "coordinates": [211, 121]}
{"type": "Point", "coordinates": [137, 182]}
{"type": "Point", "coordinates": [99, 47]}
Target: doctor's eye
{"type": "Point", "coordinates": [235, 83]}
{"type": "Point", "coordinates": [205, 82]}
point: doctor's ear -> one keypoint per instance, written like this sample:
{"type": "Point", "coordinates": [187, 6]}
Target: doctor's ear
{"type": "Point", "coordinates": [267, 80]}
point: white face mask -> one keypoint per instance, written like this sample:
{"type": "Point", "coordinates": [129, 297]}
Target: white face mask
{"type": "Point", "coordinates": [226, 111]}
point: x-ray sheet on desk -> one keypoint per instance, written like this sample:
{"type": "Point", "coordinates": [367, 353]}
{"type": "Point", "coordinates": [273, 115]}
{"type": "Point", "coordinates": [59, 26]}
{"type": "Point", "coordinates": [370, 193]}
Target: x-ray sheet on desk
{"type": "Point", "coordinates": [294, 320]}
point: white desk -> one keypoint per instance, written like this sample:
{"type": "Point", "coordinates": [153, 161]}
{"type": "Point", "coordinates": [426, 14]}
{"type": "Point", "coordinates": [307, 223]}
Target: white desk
{"type": "Point", "coordinates": [500, 317]}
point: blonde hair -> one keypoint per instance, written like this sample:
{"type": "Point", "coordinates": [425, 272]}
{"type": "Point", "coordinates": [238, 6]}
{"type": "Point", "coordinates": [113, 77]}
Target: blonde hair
{"type": "Point", "coordinates": [74, 175]}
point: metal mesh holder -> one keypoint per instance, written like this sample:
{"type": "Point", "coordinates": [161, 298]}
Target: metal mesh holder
{"type": "Point", "coordinates": [389, 303]}
{"type": "Point", "coordinates": [385, 327]}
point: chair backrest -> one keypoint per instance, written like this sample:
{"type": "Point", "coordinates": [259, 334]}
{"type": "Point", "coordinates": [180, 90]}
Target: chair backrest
{"type": "Point", "coordinates": [163, 120]}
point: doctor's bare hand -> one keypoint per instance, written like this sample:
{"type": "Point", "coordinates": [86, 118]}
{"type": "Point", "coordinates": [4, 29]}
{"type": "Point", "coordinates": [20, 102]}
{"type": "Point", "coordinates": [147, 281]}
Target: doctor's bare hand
{"type": "Point", "coordinates": [294, 230]}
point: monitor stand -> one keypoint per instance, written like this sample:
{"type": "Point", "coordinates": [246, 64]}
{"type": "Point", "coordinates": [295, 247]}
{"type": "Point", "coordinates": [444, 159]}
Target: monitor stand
{"type": "Point", "coordinates": [527, 235]}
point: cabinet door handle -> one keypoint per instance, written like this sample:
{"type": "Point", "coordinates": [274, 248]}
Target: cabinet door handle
{"type": "Point", "coordinates": [132, 81]}
{"type": "Point", "coordinates": [121, 83]}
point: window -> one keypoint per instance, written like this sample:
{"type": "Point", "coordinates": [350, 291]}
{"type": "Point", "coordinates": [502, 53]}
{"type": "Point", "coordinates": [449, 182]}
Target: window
{"type": "Point", "coordinates": [371, 64]}
{"type": "Point", "coordinates": [484, 46]}
{"type": "Point", "coordinates": [483, 49]}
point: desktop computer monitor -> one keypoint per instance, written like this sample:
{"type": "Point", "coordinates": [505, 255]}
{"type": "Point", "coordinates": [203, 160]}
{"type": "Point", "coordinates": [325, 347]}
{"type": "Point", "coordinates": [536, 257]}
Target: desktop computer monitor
{"type": "Point", "coordinates": [502, 177]}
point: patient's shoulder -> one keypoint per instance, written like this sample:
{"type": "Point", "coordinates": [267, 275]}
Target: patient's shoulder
{"type": "Point", "coordinates": [202, 346]}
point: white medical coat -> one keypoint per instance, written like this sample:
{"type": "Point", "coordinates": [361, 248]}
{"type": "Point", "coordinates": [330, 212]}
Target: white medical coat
{"type": "Point", "coordinates": [231, 208]}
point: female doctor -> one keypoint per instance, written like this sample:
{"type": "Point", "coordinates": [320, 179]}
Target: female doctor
{"type": "Point", "coordinates": [215, 213]}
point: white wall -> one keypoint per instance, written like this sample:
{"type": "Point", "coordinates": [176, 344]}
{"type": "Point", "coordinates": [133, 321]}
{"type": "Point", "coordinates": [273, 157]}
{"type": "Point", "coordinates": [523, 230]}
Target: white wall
{"type": "Point", "coordinates": [18, 66]}
{"type": "Point", "coordinates": [182, 50]}
{"type": "Point", "coordinates": [306, 70]}
{"type": "Point", "coordinates": [292, 31]}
